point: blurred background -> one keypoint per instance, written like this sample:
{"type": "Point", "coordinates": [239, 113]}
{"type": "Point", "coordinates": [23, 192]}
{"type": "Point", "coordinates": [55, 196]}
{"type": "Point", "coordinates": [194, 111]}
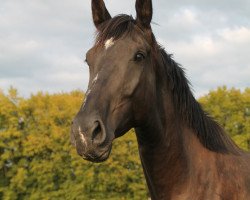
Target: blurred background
{"type": "Point", "coordinates": [43, 78]}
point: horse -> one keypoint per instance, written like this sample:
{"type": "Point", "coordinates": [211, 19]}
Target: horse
{"type": "Point", "coordinates": [135, 83]}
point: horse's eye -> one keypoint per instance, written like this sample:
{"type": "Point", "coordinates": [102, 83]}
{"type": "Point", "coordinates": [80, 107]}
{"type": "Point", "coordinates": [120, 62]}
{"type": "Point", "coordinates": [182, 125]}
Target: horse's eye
{"type": "Point", "coordinates": [139, 57]}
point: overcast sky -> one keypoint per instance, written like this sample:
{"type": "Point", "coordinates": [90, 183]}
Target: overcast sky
{"type": "Point", "coordinates": [43, 42]}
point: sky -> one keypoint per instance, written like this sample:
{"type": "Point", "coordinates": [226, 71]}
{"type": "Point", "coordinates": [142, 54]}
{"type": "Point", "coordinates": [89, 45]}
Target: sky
{"type": "Point", "coordinates": [43, 43]}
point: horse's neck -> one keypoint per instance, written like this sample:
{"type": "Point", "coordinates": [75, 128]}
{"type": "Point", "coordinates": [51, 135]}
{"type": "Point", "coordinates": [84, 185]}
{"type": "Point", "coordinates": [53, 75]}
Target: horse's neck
{"type": "Point", "coordinates": [168, 151]}
{"type": "Point", "coordinates": [164, 164]}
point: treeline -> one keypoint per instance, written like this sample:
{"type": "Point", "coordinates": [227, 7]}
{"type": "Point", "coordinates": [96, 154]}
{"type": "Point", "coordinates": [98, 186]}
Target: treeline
{"type": "Point", "coordinates": [37, 160]}
{"type": "Point", "coordinates": [231, 108]}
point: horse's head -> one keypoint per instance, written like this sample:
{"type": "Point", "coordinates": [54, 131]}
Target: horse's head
{"type": "Point", "coordinates": [120, 65]}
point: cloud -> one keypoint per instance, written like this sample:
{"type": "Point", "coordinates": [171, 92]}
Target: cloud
{"type": "Point", "coordinates": [43, 43]}
{"type": "Point", "coordinates": [219, 59]}
{"type": "Point", "coordinates": [40, 41]}
{"type": "Point", "coordinates": [184, 17]}
{"type": "Point", "coordinates": [240, 35]}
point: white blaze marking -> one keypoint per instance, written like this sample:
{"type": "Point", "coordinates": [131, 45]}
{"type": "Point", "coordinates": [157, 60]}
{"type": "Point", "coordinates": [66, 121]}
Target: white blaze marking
{"type": "Point", "coordinates": [95, 79]}
{"type": "Point", "coordinates": [109, 43]}
{"type": "Point", "coordinates": [82, 136]}
{"type": "Point", "coordinates": [89, 90]}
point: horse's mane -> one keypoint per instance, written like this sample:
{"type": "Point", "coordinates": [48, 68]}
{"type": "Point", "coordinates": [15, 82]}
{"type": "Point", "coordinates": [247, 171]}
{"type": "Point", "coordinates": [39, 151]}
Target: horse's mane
{"type": "Point", "coordinates": [115, 28]}
{"type": "Point", "coordinates": [209, 132]}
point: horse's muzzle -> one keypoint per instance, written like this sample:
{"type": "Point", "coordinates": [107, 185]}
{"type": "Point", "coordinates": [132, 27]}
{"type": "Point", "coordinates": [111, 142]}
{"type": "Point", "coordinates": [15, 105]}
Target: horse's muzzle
{"type": "Point", "coordinates": [90, 139]}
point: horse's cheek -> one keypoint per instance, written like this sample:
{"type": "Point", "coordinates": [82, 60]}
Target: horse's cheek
{"type": "Point", "coordinates": [131, 83]}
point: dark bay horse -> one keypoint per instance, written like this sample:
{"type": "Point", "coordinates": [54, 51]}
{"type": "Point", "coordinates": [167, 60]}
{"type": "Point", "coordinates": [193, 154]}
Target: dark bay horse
{"type": "Point", "coordinates": [185, 154]}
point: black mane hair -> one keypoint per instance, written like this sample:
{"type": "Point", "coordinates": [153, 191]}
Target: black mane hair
{"type": "Point", "coordinates": [210, 133]}
{"type": "Point", "coordinates": [115, 28]}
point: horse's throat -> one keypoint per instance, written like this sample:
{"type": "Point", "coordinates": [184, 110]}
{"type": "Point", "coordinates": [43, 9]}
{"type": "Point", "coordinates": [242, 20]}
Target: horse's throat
{"type": "Point", "coordinates": [164, 164]}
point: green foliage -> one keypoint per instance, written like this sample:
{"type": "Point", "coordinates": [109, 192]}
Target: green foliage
{"type": "Point", "coordinates": [231, 108]}
{"type": "Point", "coordinates": [37, 160]}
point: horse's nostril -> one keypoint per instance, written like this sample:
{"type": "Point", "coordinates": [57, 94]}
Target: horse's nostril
{"type": "Point", "coordinates": [98, 134]}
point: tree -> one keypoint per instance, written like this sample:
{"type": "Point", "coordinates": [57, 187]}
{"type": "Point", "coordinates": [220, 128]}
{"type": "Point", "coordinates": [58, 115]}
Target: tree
{"type": "Point", "coordinates": [37, 160]}
{"type": "Point", "coordinates": [231, 108]}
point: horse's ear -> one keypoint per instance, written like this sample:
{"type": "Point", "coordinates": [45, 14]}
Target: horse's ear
{"type": "Point", "coordinates": [144, 11]}
{"type": "Point", "coordinates": [99, 12]}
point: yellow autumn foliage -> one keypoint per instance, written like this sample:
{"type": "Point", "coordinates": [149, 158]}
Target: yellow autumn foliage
{"type": "Point", "coordinates": [37, 160]}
